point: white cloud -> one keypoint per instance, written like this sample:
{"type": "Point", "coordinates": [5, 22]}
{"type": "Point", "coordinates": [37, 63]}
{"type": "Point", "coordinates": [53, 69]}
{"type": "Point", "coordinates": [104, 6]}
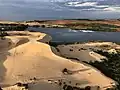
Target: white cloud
{"type": "Point", "coordinates": [109, 9]}
{"type": "Point", "coordinates": [93, 6]}
{"type": "Point", "coordinates": [77, 4]}
{"type": "Point", "coordinates": [113, 8]}
{"type": "Point", "coordinates": [72, 3]}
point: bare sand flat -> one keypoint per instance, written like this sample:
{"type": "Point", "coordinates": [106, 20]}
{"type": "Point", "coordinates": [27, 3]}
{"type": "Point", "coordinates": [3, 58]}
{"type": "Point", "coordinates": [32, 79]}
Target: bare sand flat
{"type": "Point", "coordinates": [85, 51]}
{"type": "Point", "coordinates": [79, 52]}
{"type": "Point", "coordinates": [27, 58]}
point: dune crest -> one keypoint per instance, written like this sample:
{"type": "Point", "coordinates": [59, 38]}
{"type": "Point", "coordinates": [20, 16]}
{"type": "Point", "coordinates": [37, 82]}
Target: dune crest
{"type": "Point", "coordinates": [29, 58]}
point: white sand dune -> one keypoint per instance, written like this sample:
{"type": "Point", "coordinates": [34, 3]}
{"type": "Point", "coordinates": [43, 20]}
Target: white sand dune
{"type": "Point", "coordinates": [35, 59]}
{"type": "Point", "coordinates": [97, 56]}
{"type": "Point", "coordinates": [79, 52]}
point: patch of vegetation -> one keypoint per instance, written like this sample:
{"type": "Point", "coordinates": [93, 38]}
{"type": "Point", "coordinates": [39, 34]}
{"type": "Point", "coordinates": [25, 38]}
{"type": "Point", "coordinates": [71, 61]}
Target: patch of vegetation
{"type": "Point", "coordinates": [22, 85]}
{"type": "Point", "coordinates": [68, 86]}
{"type": "Point", "coordinates": [13, 27]}
{"type": "Point", "coordinates": [92, 26]}
{"type": "Point", "coordinates": [110, 67]}
{"type": "Point", "coordinates": [3, 34]}
{"type": "Point", "coordinates": [55, 44]}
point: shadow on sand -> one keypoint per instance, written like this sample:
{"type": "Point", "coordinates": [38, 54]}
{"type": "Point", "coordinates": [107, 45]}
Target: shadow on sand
{"type": "Point", "coordinates": [5, 46]}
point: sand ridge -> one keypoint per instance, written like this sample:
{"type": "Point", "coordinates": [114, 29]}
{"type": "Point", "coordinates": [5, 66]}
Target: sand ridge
{"type": "Point", "coordinates": [30, 58]}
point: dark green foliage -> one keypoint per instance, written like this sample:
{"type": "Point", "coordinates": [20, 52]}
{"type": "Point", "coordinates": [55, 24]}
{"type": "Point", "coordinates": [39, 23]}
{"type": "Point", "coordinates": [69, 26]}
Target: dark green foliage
{"type": "Point", "coordinates": [22, 85]}
{"type": "Point", "coordinates": [92, 26]}
{"type": "Point", "coordinates": [26, 86]}
{"type": "Point", "coordinates": [43, 26]}
{"type": "Point", "coordinates": [110, 67]}
{"type": "Point", "coordinates": [55, 44]}
{"type": "Point", "coordinates": [88, 88]}
{"type": "Point", "coordinates": [64, 87]}
{"type": "Point", "coordinates": [76, 88]}
{"type": "Point", "coordinates": [69, 88]}
{"type": "Point", "coordinates": [13, 27]}
{"type": "Point", "coordinates": [72, 58]}
{"type": "Point", "coordinates": [3, 34]}
{"type": "Point", "coordinates": [19, 84]}
{"type": "Point", "coordinates": [57, 49]}
{"type": "Point", "coordinates": [65, 70]}
{"type": "Point", "coordinates": [71, 49]}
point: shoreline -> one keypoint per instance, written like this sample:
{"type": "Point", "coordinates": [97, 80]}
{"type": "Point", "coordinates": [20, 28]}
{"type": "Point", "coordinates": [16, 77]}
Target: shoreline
{"type": "Point", "coordinates": [73, 24]}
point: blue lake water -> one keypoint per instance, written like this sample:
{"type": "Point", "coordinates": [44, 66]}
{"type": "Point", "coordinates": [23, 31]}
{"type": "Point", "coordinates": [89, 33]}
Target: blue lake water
{"type": "Point", "coordinates": [68, 35]}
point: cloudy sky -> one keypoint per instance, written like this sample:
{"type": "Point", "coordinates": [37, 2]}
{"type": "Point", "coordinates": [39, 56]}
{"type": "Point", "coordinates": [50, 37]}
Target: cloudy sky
{"type": "Point", "coordinates": [58, 9]}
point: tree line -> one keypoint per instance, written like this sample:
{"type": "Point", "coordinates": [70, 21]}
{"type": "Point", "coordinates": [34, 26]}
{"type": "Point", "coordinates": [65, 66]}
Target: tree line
{"type": "Point", "coordinates": [110, 67]}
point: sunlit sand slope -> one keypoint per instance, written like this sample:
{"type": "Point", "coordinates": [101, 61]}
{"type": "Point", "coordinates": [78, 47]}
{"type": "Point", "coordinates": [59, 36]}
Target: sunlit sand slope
{"type": "Point", "coordinates": [24, 58]}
